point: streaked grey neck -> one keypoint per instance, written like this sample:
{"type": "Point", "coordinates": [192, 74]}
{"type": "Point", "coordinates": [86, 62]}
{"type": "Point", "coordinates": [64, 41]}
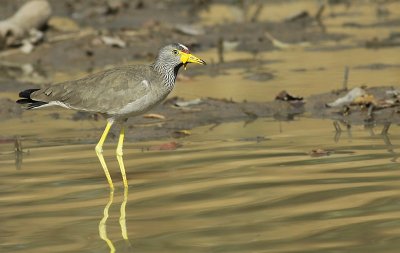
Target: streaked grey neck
{"type": "Point", "coordinates": [169, 72]}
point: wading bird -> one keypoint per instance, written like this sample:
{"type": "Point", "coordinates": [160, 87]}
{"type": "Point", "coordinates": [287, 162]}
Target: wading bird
{"type": "Point", "coordinates": [117, 94]}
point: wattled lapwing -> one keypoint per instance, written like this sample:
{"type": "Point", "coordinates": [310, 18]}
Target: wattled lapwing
{"type": "Point", "coordinates": [116, 93]}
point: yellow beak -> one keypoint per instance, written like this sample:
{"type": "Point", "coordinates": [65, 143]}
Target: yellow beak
{"type": "Point", "coordinates": [189, 58]}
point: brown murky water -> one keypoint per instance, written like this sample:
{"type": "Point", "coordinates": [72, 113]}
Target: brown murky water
{"type": "Point", "coordinates": [222, 192]}
{"type": "Point", "coordinates": [227, 189]}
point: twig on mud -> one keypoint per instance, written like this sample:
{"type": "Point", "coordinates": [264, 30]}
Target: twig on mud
{"type": "Point", "coordinates": [346, 78]}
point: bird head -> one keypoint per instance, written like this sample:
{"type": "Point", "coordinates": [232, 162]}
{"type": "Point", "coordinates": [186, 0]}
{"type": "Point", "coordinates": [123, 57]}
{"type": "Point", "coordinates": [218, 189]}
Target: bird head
{"type": "Point", "coordinates": [177, 55]}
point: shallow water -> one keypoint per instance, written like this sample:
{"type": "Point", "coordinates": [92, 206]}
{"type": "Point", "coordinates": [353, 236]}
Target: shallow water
{"type": "Point", "coordinates": [221, 192]}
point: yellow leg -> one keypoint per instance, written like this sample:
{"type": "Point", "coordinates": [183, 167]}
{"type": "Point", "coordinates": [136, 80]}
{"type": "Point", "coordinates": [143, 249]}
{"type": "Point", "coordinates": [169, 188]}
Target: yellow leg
{"type": "Point", "coordinates": [103, 226]}
{"type": "Point", "coordinates": [99, 152]}
{"type": "Point", "coordinates": [120, 155]}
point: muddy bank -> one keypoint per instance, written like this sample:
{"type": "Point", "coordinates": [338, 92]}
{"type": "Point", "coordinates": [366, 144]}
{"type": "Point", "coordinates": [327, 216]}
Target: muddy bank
{"type": "Point", "coordinates": [379, 105]}
{"type": "Point", "coordinates": [206, 111]}
{"type": "Point", "coordinates": [89, 35]}
{"type": "Point", "coordinates": [209, 111]}
{"type": "Point", "coordinates": [176, 116]}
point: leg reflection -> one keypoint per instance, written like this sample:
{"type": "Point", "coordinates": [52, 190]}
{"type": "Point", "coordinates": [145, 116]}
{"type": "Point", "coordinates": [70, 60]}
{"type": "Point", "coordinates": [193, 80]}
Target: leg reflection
{"type": "Point", "coordinates": [103, 226]}
{"type": "Point", "coordinates": [122, 221]}
{"type": "Point", "coordinates": [122, 218]}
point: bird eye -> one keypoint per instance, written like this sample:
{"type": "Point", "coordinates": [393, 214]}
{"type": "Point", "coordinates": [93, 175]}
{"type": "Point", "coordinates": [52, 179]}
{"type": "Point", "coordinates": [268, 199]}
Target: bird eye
{"type": "Point", "coordinates": [175, 52]}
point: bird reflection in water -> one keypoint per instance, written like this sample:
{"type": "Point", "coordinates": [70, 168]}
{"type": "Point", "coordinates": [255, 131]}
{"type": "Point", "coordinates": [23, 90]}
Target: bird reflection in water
{"type": "Point", "coordinates": [122, 221]}
{"type": "Point", "coordinates": [370, 128]}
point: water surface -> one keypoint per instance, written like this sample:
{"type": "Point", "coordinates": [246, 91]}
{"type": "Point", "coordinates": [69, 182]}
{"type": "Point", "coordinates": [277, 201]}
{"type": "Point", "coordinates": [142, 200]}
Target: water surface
{"type": "Point", "coordinates": [225, 190]}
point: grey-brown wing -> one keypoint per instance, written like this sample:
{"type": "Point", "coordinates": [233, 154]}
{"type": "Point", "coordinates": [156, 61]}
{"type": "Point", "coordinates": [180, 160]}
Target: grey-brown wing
{"type": "Point", "coordinates": [104, 92]}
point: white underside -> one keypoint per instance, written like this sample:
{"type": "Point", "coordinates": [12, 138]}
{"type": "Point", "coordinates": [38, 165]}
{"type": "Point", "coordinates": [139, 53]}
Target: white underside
{"type": "Point", "coordinates": [58, 103]}
{"type": "Point", "coordinates": [53, 103]}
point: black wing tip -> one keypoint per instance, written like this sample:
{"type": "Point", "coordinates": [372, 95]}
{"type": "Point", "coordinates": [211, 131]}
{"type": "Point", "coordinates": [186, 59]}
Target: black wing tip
{"type": "Point", "coordinates": [30, 103]}
{"type": "Point", "coordinates": [27, 93]}
{"type": "Point", "coordinates": [26, 99]}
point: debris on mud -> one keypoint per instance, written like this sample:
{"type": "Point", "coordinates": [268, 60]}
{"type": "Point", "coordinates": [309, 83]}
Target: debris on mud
{"type": "Point", "coordinates": [348, 98]}
{"type": "Point", "coordinates": [176, 116]}
{"type": "Point", "coordinates": [86, 31]}
{"type": "Point", "coordinates": [358, 96]}
{"type": "Point", "coordinates": [210, 111]}
{"type": "Point", "coordinates": [113, 41]}
{"type": "Point", "coordinates": [294, 100]}
{"type": "Point", "coordinates": [24, 27]}
{"type": "Point", "coordinates": [284, 96]}
{"type": "Point", "coordinates": [360, 106]}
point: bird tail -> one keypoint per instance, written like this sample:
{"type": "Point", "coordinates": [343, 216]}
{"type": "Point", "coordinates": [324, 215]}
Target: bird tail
{"type": "Point", "coordinates": [26, 99]}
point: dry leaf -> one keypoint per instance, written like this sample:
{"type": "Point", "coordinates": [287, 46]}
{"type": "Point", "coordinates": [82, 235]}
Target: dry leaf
{"type": "Point", "coordinates": [365, 100]}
